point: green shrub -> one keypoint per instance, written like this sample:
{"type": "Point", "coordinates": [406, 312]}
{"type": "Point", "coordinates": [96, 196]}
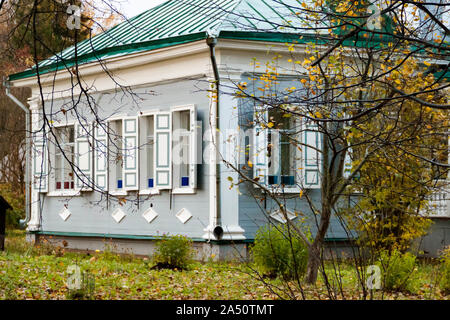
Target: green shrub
{"type": "Point", "coordinates": [445, 271]}
{"type": "Point", "coordinates": [397, 270]}
{"type": "Point", "coordinates": [277, 254]}
{"type": "Point", "coordinates": [174, 252]}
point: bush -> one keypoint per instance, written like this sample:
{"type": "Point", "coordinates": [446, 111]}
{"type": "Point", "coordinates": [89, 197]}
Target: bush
{"type": "Point", "coordinates": [398, 270]}
{"type": "Point", "coordinates": [445, 271]}
{"type": "Point", "coordinates": [277, 254]}
{"type": "Point", "coordinates": [173, 252]}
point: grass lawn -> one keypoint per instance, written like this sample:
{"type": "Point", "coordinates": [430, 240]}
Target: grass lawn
{"type": "Point", "coordinates": [41, 273]}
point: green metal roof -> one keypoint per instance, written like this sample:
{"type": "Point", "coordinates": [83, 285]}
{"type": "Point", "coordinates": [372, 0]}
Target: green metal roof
{"type": "Point", "coordinates": [181, 21]}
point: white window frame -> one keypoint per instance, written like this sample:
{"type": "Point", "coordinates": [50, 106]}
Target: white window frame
{"type": "Point", "coordinates": [53, 192]}
{"type": "Point", "coordinates": [260, 158]}
{"type": "Point", "coordinates": [112, 183]}
{"type": "Point", "coordinates": [130, 155]}
{"type": "Point", "coordinates": [143, 174]}
{"type": "Point", "coordinates": [192, 188]}
{"type": "Point", "coordinates": [101, 163]}
{"type": "Point", "coordinates": [84, 176]}
{"type": "Point", "coordinates": [40, 156]}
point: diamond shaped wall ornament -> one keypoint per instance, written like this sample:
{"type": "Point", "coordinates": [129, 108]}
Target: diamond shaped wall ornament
{"type": "Point", "coordinates": [279, 216]}
{"type": "Point", "coordinates": [118, 215]}
{"type": "Point", "coordinates": [150, 215]}
{"type": "Point", "coordinates": [184, 215]}
{"type": "Point", "coordinates": [65, 214]}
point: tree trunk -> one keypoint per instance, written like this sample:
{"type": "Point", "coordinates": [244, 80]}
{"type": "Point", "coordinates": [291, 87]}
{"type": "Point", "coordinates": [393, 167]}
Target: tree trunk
{"type": "Point", "coordinates": [315, 249]}
{"type": "Point", "coordinates": [312, 268]}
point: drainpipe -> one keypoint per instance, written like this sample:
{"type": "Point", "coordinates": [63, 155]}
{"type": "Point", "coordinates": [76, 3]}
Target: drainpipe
{"type": "Point", "coordinates": [24, 222]}
{"type": "Point", "coordinates": [215, 171]}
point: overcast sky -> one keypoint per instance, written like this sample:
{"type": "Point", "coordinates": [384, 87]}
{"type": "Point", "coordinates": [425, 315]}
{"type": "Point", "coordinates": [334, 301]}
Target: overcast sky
{"type": "Point", "coordinates": [132, 8]}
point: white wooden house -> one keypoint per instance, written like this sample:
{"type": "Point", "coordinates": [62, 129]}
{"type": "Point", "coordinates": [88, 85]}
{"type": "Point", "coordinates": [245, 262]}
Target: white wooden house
{"type": "Point", "coordinates": [144, 165]}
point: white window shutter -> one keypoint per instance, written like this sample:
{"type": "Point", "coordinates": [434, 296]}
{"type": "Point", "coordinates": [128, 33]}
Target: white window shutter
{"type": "Point", "coordinates": [260, 141]}
{"type": "Point", "coordinates": [130, 134]}
{"type": "Point", "coordinates": [312, 158]}
{"type": "Point", "coordinates": [163, 151]}
{"type": "Point", "coordinates": [101, 157]}
{"type": "Point", "coordinates": [83, 156]}
{"type": "Point", "coordinates": [193, 151]}
{"type": "Point", "coordinates": [40, 162]}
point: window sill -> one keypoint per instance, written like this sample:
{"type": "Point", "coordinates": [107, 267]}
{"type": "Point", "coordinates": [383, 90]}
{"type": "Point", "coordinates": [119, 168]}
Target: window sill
{"type": "Point", "coordinates": [184, 191]}
{"type": "Point", "coordinates": [67, 193]}
{"type": "Point", "coordinates": [285, 190]}
{"type": "Point", "coordinates": [280, 190]}
{"type": "Point", "coordinates": [148, 192]}
{"type": "Point", "coordinates": [118, 193]}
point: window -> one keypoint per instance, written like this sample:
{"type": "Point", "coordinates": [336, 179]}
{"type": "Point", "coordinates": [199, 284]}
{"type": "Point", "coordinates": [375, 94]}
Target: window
{"type": "Point", "coordinates": [147, 152]}
{"type": "Point", "coordinates": [286, 150]}
{"type": "Point", "coordinates": [115, 155]}
{"type": "Point", "coordinates": [283, 152]}
{"type": "Point", "coordinates": [182, 140]}
{"type": "Point", "coordinates": [167, 153]}
{"type": "Point", "coordinates": [64, 158]}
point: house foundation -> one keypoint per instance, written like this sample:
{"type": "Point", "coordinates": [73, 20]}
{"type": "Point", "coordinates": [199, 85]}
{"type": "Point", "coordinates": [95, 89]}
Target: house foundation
{"type": "Point", "coordinates": [203, 250]}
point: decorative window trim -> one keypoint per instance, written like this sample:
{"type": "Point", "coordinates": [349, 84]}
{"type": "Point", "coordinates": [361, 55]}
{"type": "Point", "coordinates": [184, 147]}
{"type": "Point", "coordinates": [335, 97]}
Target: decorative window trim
{"type": "Point", "coordinates": [118, 215]}
{"type": "Point", "coordinates": [61, 124]}
{"type": "Point", "coordinates": [150, 215]}
{"type": "Point", "coordinates": [163, 165]}
{"type": "Point", "coordinates": [184, 215]}
{"type": "Point", "coordinates": [111, 163]}
{"type": "Point", "coordinates": [278, 216]}
{"type": "Point", "coordinates": [279, 190]}
{"type": "Point", "coordinates": [143, 157]}
{"type": "Point", "coordinates": [65, 214]}
{"type": "Point", "coordinates": [186, 190]}
{"type": "Point", "coordinates": [260, 158]}
{"type": "Point", "coordinates": [130, 137]}
{"type": "Point", "coordinates": [118, 193]}
{"type": "Point", "coordinates": [53, 153]}
{"type": "Point", "coordinates": [62, 193]}
{"type": "Point", "coordinates": [193, 149]}
{"type": "Point", "coordinates": [84, 177]}
{"type": "Point", "coordinates": [148, 112]}
{"type": "Point", "coordinates": [148, 192]}
{"type": "Point", "coordinates": [117, 117]}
